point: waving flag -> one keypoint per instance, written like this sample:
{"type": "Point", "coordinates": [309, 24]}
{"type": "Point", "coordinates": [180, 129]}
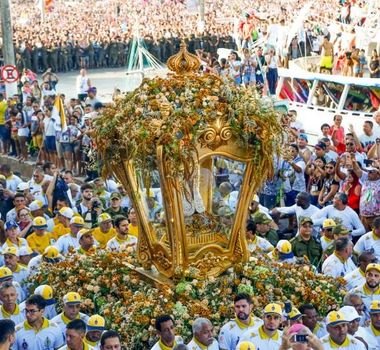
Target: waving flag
{"type": "Point", "coordinates": [58, 114]}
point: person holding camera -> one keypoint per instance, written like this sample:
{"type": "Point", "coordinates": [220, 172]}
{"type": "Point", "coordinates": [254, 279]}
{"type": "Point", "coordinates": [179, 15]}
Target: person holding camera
{"type": "Point", "coordinates": [299, 337]}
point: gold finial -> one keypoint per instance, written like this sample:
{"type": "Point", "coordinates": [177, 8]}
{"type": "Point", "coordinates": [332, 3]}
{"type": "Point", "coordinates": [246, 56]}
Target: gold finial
{"type": "Point", "coordinates": [183, 62]}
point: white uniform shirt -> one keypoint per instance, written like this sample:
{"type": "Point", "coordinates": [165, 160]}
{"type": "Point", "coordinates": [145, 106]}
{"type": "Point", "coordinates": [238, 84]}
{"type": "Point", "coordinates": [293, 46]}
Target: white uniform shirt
{"type": "Point", "coordinates": [61, 320]}
{"type": "Point", "coordinates": [367, 295]}
{"type": "Point", "coordinates": [49, 337]}
{"type": "Point", "coordinates": [375, 334]}
{"type": "Point", "coordinates": [66, 241]}
{"type": "Point", "coordinates": [34, 263]}
{"type": "Point", "coordinates": [259, 244]}
{"type": "Point", "coordinates": [231, 332]}
{"type": "Point", "coordinates": [261, 340]}
{"type": "Point", "coordinates": [320, 330]}
{"type": "Point", "coordinates": [21, 274]}
{"type": "Point", "coordinates": [17, 317]}
{"type": "Point", "coordinates": [348, 216]}
{"type": "Point", "coordinates": [12, 182]}
{"type": "Point", "coordinates": [368, 242]}
{"type": "Point", "coordinates": [117, 245]}
{"type": "Point", "coordinates": [157, 346]}
{"type": "Point", "coordinates": [349, 344]}
{"type": "Point", "coordinates": [193, 345]}
{"type": "Point", "coordinates": [334, 266]}
{"type": "Point", "coordinates": [326, 243]}
{"type": "Point", "coordinates": [369, 338]}
{"type": "Point", "coordinates": [354, 278]}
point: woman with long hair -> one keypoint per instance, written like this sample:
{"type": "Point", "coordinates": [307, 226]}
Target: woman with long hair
{"type": "Point", "coordinates": [374, 65]}
{"type": "Point", "coordinates": [352, 187]}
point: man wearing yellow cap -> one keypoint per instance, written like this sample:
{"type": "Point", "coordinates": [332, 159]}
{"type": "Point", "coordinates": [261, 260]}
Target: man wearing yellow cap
{"type": "Point", "coordinates": [232, 331]}
{"type": "Point", "coordinates": [105, 231]}
{"type": "Point", "coordinates": [123, 240]}
{"type": "Point", "coordinates": [166, 331]}
{"type": "Point", "coordinates": [338, 337]}
{"type": "Point", "coordinates": [20, 273]}
{"type": "Point", "coordinates": [47, 293]}
{"type": "Point", "coordinates": [86, 242]}
{"type": "Point", "coordinates": [370, 290]}
{"type": "Point", "coordinates": [69, 241]}
{"type": "Point", "coordinates": [40, 238]}
{"type": "Point", "coordinates": [50, 255]}
{"type": "Point", "coordinates": [374, 327]}
{"type": "Point", "coordinates": [267, 336]}
{"type": "Point", "coordinates": [327, 237]}
{"type": "Point", "coordinates": [283, 252]}
{"type": "Point", "coordinates": [339, 263]}
{"type": "Point", "coordinates": [9, 307]}
{"type": "Point", "coordinates": [6, 275]}
{"type": "Point", "coordinates": [96, 325]}
{"type": "Point", "coordinates": [37, 332]}
{"type": "Point", "coordinates": [71, 306]}
{"type": "Point", "coordinates": [65, 214]}
{"type": "Point", "coordinates": [202, 335]}
{"type": "Point", "coordinates": [357, 277]}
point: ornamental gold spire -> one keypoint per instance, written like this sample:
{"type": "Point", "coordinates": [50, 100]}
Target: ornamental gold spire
{"type": "Point", "coordinates": [183, 62]}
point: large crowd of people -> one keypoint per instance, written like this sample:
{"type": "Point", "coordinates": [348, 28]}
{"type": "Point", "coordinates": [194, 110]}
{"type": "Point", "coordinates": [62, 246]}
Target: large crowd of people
{"type": "Point", "coordinates": [322, 205]}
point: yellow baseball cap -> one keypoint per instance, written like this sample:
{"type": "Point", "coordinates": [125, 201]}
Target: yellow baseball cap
{"type": "Point", "coordinates": [11, 250]}
{"type": "Point", "coordinates": [72, 298]}
{"type": "Point", "coordinates": [40, 222]}
{"type": "Point", "coordinates": [246, 345]}
{"type": "Point", "coordinates": [284, 246]}
{"type": "Point", "coordinates": [66, 212]}
{"type": "Point", "coordinates": [45, 291]}
{"type": "Point", "coordinates": [5, 274]}
{"type": "Point", "coordinates": [82, 232]}
{"type": "Point", "coordinates": [96, 323]}
{"type": "Point", "coordinates": [294, 314]}
{"type": "Point", "coordinates": [334, 318]}
{"type": "Point", "coordinates": [328, 223]}
{"type": "Point", "coordinates": [375, 307]}
{"type": "Point", "coordinates": [373, 266]}
{"type": "Point", "coordinates": [77, 221]}
{"type": "Point", "coordinates": [36, 205]}
{"type": "Point", "coordinates": [51, 252]}
{"type": "Point", "coordinates": [103, 217]}
{"type": "Point", "coordinates": [273, 308]}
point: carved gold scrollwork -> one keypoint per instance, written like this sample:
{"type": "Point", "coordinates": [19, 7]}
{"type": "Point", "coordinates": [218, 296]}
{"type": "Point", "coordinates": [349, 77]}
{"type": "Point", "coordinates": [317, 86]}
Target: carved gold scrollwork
{"type": "Point", "coordinates": [209, 262]}
{"type": "Point", "coordinates": [214, 137]}
{"type": "Point", "coordinates": [161, 258]}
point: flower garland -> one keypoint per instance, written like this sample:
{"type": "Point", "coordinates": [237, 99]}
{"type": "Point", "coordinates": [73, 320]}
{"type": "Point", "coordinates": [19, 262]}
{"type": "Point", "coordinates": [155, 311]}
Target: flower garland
{"type": "Point", "coordinates": [111, 287]}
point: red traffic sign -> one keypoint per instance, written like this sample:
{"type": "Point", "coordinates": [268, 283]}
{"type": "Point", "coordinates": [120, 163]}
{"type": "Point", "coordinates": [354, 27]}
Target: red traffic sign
{"type": "Point", "coordinates": [9, 73]}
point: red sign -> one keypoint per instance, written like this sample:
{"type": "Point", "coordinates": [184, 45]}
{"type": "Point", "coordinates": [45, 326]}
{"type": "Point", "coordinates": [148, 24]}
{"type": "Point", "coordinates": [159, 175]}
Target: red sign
{"type": "Point", "coordinates": [9, 73]}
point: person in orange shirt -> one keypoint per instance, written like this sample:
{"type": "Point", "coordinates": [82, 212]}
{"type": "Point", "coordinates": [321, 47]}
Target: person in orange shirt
{"type": "Point", "coordinates": [40, 238]}
{"type": "Point", "coordinates": [105, 231]}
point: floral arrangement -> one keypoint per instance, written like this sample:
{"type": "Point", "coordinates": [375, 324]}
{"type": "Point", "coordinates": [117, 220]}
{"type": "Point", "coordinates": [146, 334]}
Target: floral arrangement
{"type": "Point", "coordinates": [110, 286]}
{"type": "Point", "coordinates": [174, 113]}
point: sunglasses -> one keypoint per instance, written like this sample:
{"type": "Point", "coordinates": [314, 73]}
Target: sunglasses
{"type": "Point", "coordinates": [350, 144]}
{"type": "Point", "coordinates": [329, 167]}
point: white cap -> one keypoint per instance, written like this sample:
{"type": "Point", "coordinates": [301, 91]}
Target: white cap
{"type": "Point", "coordinates": [66, 212]}
{"type": "Point", "coordinates": [22, 186]}
{"type": "Point", "coordinates": [349, 313]}
{"type": "Point", "coordinates": [35, 205]}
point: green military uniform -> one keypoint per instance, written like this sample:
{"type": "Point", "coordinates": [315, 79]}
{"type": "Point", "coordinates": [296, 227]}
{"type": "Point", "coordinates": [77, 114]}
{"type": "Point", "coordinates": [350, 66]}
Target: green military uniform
{"type": "Point", "coordinates": [311, 249]}
{"type": "Point", "coordinates": [271, 235]}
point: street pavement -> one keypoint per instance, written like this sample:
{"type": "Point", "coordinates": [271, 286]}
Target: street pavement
{"type": "Point", "coordinates": [105, 80]}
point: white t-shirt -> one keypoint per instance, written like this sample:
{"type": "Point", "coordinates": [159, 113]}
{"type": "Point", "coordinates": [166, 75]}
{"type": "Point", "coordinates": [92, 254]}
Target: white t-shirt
{"type": "Point", "coordinates": [49, 126]}
{"type": "Point", "coordinates": [299, 211]}
{"type": "Point", "coordinates": [348, 217]}
{"type": "Point", "coordinates": [368, 242]}
{"type": "Point", "coordinates": [366, 140]}
{"type": "Point", "coordinates": [295, 181]}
